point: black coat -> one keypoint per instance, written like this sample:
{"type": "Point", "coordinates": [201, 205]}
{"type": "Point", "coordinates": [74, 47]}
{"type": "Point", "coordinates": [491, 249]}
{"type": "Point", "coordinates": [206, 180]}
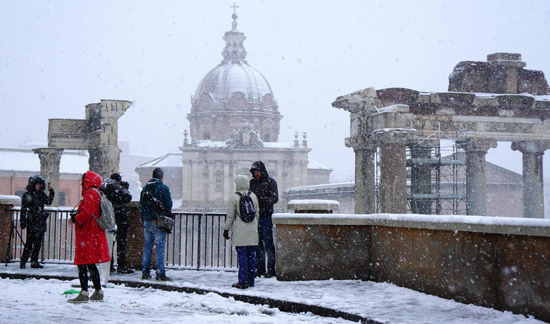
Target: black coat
{"type": "Point", "coordinates": [265, 189]}
{"type": "Point", "coordinates": [33, 216]}
{"type": "Point", "coordinates": [119, 197]}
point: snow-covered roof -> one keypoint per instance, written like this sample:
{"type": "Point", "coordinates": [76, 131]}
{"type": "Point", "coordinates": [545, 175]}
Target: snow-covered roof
{"type": "Point", "coordinates": [211, 144]}
{"type": "Point", "coordinates": [278, 145]}
{"type": "Point", "coordinates": [221, 144]}
{"type": "Point", "coordinates": [314, 165]}
{"type": "Point", "coordinates": [22, 160]}
{"type": "Point", "coordinates": [167, 160]}
{"type": "Point", "coordinates": [323, 186]}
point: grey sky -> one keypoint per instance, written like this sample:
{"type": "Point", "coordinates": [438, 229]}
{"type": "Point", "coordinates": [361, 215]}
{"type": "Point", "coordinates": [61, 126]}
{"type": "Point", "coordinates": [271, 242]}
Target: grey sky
{"type": "Point", "coordinates": [58, 56]}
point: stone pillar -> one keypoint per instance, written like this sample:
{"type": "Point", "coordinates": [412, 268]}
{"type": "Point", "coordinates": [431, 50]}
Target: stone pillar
{"type": "Point", "coordinates": [6, 204]}
{"type": "Point", "coordinates": [136, 239]}
{"type": "Point", "coordinates": [365, 172]}
{"type": "Point", "coordinates": [105, 160]}
{"type": "Point", "coordinates": [421, 177]}
{"type": "Point", "coordinates": [476, 180]}
{"type": "Point", "coordinates": [533, 185]}
{"type": "Point", "coordinates": [50, 158]}
{"type": "Point", "coordinates": [393, 169]}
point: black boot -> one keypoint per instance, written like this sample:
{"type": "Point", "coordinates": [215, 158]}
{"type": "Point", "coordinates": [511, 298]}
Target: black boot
{"type": "Point", "coordinates": [22, 265]}
{"type": "Point", "coordinates": [36, 265]}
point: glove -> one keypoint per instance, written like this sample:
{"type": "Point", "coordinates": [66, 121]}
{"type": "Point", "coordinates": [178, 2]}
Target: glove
{"type": "Point", "coordinates": [23, 223]}
{"type": "Point", "coordinates": [125, 185]}
{"type": "Point", "coordinates": [226, 234]}
{"type": "Point", "coordinates": [73, 217]}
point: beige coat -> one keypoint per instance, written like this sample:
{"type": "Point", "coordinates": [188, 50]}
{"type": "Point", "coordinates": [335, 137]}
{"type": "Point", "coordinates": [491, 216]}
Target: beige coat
{"type": "Point", "coordinates": [242, 234]}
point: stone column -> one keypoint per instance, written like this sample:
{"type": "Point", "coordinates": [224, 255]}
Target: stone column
{"type": "Point", "coordinates": [365, 188]}
{"type": "Point", "coordinates": [476, 180]}
{"type": "Point", "coordinates": [136, 239]}
{"type": "Point", "coordinates": [393, 168]}
{"type": "Point", "coordinates": [533, 185]}
{"type": "Point", "coordinates": [421, 177]}
{"type": "Point", "coordinates": [6, 204]}
{"type": "Point", "coordinates": [50, 158]}
{"type": "Point", "coordinates": [105, 160]}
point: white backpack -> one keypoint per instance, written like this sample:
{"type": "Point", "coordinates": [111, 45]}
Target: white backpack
{"type": "Point", "coordinates": [107, 220]}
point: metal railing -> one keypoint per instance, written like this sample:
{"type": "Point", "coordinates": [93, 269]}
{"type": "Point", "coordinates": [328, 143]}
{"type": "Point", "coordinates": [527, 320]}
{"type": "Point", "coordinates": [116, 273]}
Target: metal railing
{"type": "Point", "coordinates": [196, 242]}
{"type": "Point", "coordinates": [58, 242]}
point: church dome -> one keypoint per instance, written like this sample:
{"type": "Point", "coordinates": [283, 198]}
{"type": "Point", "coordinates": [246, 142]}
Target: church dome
{"type": "Point", "coordinates": [233, 94]}
{"type": "Point", "coordinates": [233, 76]}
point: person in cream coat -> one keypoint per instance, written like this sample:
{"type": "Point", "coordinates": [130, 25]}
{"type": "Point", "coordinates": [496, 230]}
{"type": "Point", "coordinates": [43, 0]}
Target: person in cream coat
{"type": "Point", "coordinates": [244, 236]}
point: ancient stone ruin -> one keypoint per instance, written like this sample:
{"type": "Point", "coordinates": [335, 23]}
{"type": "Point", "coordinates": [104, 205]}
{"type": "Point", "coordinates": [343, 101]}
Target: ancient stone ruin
{"type": "Point", "coordinates": [98, 134]}
{"type": "Point", "coordinates": [487, 102]}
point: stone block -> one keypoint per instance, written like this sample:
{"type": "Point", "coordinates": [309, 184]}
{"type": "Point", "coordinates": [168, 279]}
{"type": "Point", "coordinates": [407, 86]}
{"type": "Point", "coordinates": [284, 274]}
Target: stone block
{"type": "Point", "coordinates": [392, 96]}
{"type": "Point", "coordinates": [504, 57]}
{"type": "Point", "coordinates": [337, 252]}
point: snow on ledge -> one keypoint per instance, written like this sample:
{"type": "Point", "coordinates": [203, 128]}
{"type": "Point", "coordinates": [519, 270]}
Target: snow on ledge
{"type": "Point", "coordinates": [482, 224]}
{"type": "Point", "coordinates": [10, 200]}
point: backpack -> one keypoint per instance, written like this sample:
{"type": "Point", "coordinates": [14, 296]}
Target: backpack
{"type": "Point", "coordinates": [107, 220]}
{"type": "Point", "coordinates": [246, 207]}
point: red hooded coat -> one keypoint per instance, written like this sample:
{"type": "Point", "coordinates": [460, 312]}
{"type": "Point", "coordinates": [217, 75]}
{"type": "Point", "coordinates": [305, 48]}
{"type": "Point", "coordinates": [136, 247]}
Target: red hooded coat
{"type": "Point", "coordinates": [90, 240]}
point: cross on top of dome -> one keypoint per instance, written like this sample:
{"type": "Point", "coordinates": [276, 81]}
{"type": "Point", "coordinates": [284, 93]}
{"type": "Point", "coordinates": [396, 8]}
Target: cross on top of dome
{"type": "Point", "coordinates": [234, 49]}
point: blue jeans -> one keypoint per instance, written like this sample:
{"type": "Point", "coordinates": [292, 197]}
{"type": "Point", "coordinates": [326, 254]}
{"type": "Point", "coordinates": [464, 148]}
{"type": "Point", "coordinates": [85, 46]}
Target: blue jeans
{"type": "Point", "coordinates": [246, 256]}
{"type": "Point", "coordinates": [153, 235]}
{"type": "Point", "coordinates": [265, 247]}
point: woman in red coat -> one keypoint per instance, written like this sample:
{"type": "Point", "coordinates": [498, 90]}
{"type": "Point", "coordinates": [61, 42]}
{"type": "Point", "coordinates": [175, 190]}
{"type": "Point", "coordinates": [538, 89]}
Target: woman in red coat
{"type": "Point", "coordinates": [90, 241]}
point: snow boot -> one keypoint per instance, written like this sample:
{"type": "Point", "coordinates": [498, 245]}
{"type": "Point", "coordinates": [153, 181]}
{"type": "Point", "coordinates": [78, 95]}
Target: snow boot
{"type": "Point", "coordinates": [162, 278]}
{"type": "Point", "coordinates": [97, 296]}
{"type": "Point", "coordinates": [81, 298]}
{"type": "Point", "coordinates": [239, 286]}
{"type": "Point", "coordinates": [124, 271]}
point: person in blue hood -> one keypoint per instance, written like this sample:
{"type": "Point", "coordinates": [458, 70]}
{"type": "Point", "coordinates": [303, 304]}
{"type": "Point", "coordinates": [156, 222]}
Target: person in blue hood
{"type": "Point", "coordinates": [154, 235]}
{"type": "Point", "coordinates": [265, 188]}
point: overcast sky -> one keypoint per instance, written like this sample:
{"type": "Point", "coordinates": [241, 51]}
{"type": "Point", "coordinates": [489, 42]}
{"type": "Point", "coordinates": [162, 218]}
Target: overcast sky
{"type": "Point", "coordinates": [58, 56]}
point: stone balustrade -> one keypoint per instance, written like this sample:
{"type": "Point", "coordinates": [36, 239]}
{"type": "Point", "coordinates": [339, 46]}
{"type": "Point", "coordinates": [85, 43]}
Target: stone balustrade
{"type": "Point", "coordinates": [502, 263]}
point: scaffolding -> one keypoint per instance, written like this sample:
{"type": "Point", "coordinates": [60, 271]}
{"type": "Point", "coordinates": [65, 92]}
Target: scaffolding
{"type": "Point", "coordinates": [436, 175]}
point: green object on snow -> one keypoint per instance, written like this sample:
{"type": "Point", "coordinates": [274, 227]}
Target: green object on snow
{"type": "Point", "coordinates": [71, 292]}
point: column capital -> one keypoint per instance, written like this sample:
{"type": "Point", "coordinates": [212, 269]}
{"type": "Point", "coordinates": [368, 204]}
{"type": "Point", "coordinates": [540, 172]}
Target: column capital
{"type": "Point", "coordinates": [530, 147]}
{"type": "Point", "coordinates": [361, 142]}
{"type": "Point", "coordinates": [393, 135]}
{"type": "Point", "coordinates": [475, 144]}
{"type": "Point", "coordinates": [48, 150]}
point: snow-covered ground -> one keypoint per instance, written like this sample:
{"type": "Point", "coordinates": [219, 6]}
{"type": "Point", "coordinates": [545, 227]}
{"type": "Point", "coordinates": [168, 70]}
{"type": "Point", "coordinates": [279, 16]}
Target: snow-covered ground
{"type": "Point", "coordinates": [40, 300]}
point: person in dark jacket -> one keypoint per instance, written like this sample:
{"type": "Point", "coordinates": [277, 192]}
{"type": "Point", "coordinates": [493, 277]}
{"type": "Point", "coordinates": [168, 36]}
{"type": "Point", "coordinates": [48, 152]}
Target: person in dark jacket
{"type": "Point", "coordinates": [154, 235]}
{"type": "Point", "coordinates": [265, 188]}
{"type": "Point", "coordinates": [117, 192]}
{"type": "Point", "coordinates": [33, 217]}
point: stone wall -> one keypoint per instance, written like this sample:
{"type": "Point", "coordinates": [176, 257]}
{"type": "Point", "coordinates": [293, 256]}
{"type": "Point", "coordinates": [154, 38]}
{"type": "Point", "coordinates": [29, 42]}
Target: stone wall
{"type": "Point", "coordinates": [502, 263]}
{"type": "Point", "coordinates": [135, 240]}
{"type": "Point", "coordinates": [6, 203]}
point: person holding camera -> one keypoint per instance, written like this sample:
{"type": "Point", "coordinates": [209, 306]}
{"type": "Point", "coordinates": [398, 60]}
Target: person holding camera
{"type": "Point", "coordinates": [33, 218]}
{"type": "Point", "coordinates": [90, 245]}
{"type": "Point", "coordinates": [118, 194]}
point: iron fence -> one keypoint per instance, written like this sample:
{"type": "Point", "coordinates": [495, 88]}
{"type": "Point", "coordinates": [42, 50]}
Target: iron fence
{"type": "Point", "coordinates": [196, 241]}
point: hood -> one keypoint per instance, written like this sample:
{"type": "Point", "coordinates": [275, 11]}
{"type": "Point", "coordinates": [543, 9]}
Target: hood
{"type": "Point", "coordinates": [153, 182]}
{"type": "Point", "coordinates": [107, 182]}
{"type": "Point", "coordinates": [260, 166]}
{"type": "Point", "coordinates": [34, 180]}
{"type": "Point", "coordinates": [243, 183]}
{"type": "Point", "coordinates": [91, 180]}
